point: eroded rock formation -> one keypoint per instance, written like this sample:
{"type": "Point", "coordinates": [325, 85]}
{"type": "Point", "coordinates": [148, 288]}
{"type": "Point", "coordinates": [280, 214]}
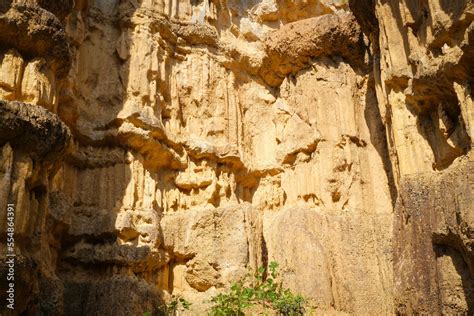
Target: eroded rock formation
{"type": "Point", "coordinates": [423, 69]}
{"type": "Point", "coordinates": [158, 148]}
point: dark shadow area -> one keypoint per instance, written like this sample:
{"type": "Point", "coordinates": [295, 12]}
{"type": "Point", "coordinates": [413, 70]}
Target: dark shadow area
{"type": "Point", "coordinates": [5, 5]}
{"type": "Point", "coordinates": [442, 126]}
{"type": "Point", "coordinates": [38, 140]}
{"type": "Point", "coordinates": [378, 134]}
{"type": "Point", "coordinates": [364, 11]}
{"type": "Point", "coordinates": [452, 267]}
{"type": "Point", "coordinates": [420, 13]}
{"type": "Point", "coordinates": [455, 8]}
{"type": "Point", "coordinates": [101, 268]}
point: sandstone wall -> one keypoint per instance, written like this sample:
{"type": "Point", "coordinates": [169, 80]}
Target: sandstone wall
{"type": "Point", "coordinates": [423, 58]}
{"type": "Point", "coordinates": [158, 148]}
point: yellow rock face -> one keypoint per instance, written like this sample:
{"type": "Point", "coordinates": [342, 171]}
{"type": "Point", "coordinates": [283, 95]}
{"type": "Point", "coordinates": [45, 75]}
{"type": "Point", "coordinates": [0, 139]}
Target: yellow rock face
{"type": "Point", "coordinates": [11, 71]}
{"type": "Point", "coordinates": [158, 148]}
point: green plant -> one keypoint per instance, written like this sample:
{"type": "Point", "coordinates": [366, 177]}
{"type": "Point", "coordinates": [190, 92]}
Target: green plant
{"type": "Point", "coordinates": [176, 305]}
{"type": "Point", "coordinates": [290, 304]}
{"type": "Point", "coordinates": [232, 303]}
{"type": "Point", "coordinates": [263, 291]}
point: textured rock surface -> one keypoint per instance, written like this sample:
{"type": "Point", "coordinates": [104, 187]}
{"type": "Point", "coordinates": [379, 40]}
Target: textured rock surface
{"type": "Point", "coordinates": [423, 54]}
{"type": "Point", "coordinates": [158, 148]}
{"type": "Point", "coordinates": [435, 222]}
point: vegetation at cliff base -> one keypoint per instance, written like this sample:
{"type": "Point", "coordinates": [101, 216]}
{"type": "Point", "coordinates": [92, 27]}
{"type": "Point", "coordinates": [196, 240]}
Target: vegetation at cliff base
{"type": "Point", "coordinates": [176, 305]}
{"type": "Point", "coordinates": [263, 293]}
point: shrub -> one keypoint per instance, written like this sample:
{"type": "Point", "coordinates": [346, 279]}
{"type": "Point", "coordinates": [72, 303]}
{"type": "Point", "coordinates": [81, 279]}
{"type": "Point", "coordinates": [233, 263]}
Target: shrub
{"type": "Point", "coordinates": [177, 304]}
{"type": "Point", "coordinates": [263, 291]}
{"type": "Point", "coordinates": [173, 307]}
{"type": "Point", "coordinates": [290, 304]}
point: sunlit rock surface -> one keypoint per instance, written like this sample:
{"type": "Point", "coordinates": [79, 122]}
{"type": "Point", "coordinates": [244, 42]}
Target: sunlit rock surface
{"type": "Point", "coordinates": [157, 148]}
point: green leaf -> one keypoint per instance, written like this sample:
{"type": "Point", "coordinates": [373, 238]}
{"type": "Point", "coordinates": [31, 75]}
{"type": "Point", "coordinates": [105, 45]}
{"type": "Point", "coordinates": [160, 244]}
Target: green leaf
{"type": "Point", "coordinates": [266, 293]}
{"type": "Point", "coordinates": [273, 265]}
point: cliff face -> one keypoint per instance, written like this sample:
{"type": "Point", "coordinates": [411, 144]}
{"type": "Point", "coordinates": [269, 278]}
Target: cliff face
{"type": "Point", "coordinates": [153, 148]}
{"type": "Point", "coordinates": [423, 69]}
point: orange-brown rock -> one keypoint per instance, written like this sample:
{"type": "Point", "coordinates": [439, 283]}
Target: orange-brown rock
{"type": "Point", "coordinates": [159, 148]}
